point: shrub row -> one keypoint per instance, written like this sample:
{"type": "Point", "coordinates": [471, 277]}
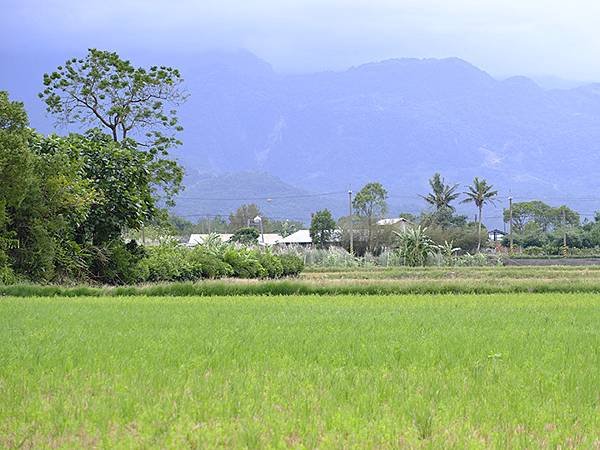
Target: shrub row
{"type": "Point", "coordinates": [287, 287]}
{"type": "Point", "coordinates": [172, 262]}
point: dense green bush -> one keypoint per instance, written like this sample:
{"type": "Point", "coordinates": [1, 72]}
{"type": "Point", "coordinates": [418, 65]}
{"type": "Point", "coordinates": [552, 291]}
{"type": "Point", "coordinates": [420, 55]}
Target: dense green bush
{"type": "Point", "coordinates": [292, 265]}
{"type": "Point", "coordinates": [271, 263]}
{"type": "Point", "coordinates": [7, 276]}
{"type": "Point", "coordinates": [173, 262]}
{"type": "Point", "coordinates": [207, 265]}
{"type": "Point", "coordinates": [245, 263]}
{"type": "Point", "coordinates": [167, 262]}
{"type": "Point", "coordinates": [121, 263]}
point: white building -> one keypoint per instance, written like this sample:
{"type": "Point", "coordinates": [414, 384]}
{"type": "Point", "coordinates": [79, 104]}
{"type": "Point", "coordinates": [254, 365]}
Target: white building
{"type": "Point", "coordinates": [269, 238]}
{"type": "Point", "coordinates": [300, 237]}
{"type": "Point", "coordinates": [196, 239]}
{"type": "Point", "coordinates": [399, 222]}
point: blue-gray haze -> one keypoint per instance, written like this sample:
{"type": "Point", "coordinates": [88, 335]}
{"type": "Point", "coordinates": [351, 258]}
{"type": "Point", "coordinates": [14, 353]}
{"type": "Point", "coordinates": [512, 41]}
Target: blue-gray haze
{"type": "Point", "coordinates": [321, 119]}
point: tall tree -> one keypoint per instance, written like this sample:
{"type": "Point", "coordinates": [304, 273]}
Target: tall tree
{"type": "Point", "coordinates": [322, 228]}
{"type": "Point", "coordinates": [102, 90]}
{"type": "Point", "coordinates": [244, 216]}
{"type": "Point", "coordinates": [544, 216]}
{"type": "Point", "coordinates": [480, 193]}
{"type": "Point", "coordinates": [44, 195]}
{"type": "Point", "coordinates": [370, 203]}
{"type": "Point", "coordinates": [441, 194]}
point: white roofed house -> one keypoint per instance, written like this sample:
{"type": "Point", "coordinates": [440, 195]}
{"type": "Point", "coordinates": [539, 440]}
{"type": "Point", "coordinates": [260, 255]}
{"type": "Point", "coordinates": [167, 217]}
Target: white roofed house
{"type": "Point", "coordinates": [196, 239]}
{"type": "Point", "coordinates": [269, 238]}
{"type": "Point", "coordinates": [496, 235]}
{"type": "Point", "coordinates": [399, 223]}
{"type": "Point", "coordinates": [300, 237]}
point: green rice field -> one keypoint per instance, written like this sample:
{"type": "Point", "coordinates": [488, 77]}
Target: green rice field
{"type": "Point", "coordinates": [301, 371]}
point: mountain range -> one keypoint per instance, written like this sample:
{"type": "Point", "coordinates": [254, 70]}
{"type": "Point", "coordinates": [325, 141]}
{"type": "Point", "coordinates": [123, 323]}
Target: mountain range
{"type": "Point", "coordinates": [255, 135]}
{"type": "Point", "coordinates": [397, 121]}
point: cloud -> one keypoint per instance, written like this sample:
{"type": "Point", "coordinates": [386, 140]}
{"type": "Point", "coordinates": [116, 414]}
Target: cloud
{"type": "Point", "coordinates": [504, 37]}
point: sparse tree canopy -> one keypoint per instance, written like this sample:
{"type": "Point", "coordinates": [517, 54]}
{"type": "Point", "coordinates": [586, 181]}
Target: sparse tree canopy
{"type": "Point", "coordinates": [441, 194]}
{"type": "Point", "coordinates": [322, 228]}
{"type": "Point", "coordinates": [370, 202]}
{"type": "Point", "coordinates": [546, 217]}
{"type": "Point", "coordinates": [130, 103]}
{"type": "Point", "coordinates": [102, 89]}
{"type": "Point", "coordinates": [244, 216]}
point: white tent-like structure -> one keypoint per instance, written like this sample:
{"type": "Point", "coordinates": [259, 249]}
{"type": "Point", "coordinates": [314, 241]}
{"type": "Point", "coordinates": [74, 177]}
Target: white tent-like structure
{"type": "Point", "coordinates": [300, 237]}
{"type": "Point", "coordinates": [196, 239]}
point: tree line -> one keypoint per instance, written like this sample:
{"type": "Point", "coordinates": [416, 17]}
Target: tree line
{"type": "Point", "coordinates": [65, 200]}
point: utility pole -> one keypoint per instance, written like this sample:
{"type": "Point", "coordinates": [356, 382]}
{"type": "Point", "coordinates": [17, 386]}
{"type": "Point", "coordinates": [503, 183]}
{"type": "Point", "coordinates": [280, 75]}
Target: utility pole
{"type": "Point", "coordinates": [208, 222]}
{"type": "Point", "coordinates": [564, 224]}
{"type": "Point", "coordinates": [259, 221]}
{"type": "Point", "coordinates": [510, 223]}
{"type": "Point", "coordinates": [351, 229]}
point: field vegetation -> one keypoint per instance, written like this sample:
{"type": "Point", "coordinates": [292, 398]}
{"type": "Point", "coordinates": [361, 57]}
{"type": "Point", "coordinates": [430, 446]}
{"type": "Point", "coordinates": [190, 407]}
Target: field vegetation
{"type": "Point", "coordinates": [329, 372]}
{"type": "Point", "coordinates": [356, 281]}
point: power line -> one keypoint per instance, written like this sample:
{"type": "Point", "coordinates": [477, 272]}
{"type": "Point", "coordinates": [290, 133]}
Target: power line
{"type": "Point", "coordinates": [273, 197]}
{"type": "Point", "coordinates": [226, 216]}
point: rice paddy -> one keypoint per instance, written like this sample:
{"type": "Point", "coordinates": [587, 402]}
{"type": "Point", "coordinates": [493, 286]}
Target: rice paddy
{"type": "Point", "coordinates": [421, 371]}
{"type": "Point", "coordinates": [356, 281]}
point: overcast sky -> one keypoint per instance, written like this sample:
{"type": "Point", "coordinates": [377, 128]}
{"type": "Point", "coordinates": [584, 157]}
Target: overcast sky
{"type": "Point", "coordinates": [508, 37]}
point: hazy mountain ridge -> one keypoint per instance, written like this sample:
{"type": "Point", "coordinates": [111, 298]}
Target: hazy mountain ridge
{"type": "Point", "coordinates": [396, 121]}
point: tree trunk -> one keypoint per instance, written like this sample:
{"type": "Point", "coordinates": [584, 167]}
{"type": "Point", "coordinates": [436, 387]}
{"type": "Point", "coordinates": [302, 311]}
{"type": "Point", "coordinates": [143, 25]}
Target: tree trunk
{"type": "Point", "coordinates": [369, 234]}
{"type": "Point", "coordinates": [479, 231]}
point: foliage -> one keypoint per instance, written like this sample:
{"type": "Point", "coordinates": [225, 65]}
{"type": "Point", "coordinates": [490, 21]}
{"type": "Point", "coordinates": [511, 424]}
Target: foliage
{"type": "Point", "coordinates": [283, 227]}
{"type": "Point", "coordinates": [389, 371]}
{"type": "Point", "coordinates": [120, 177]}
{"type": "Point", "coordinates": [371, 203]}
{"type": "Point", "coordinates": [132, 103]}
{"type": "Point", "coordinates": [245, 263]}
{"type": "Point", "coordinates": [465, 237]}
{"type": "Point", "coordinates": [449, 252]}
{"type": "Point", "coordinates": [271, 263]}
{"type": "Point", "coordinates": [214, 259]}
{"type": "Point", "coordinates": [322, 228]}
{"type": "Point", "coordinates": [44, 196]}
{"type": "Point", "coordinates": [546, 217]}
{"type": "Point", "coordinates": [415, 246]}
{"type": "Point", "coordinates": [205, 262]}
{"type": "Point", "coordinates": [120, 263]}
{"type": "Point", "coordinates": [244, 216]}
{"type": "Point", "coordinates": [292, 265]}
{"type": "Point", "coordinates": [441, 194]}
{"type": "Point", "coordinates": [480, 193]}
{"type": "Point", "coordinates": [246, 236]}
{"type": "Point", "coordinates": [167, 262]}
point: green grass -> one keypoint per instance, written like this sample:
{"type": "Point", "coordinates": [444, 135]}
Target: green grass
{"type": "Point", "coordinates": [313, 371]}
{"type": "Point", "coordinates": [358, 281]}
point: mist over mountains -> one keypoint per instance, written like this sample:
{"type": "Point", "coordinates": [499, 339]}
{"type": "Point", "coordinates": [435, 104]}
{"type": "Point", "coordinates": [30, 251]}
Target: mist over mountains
{"type": "Point", "coordinates": [252, 134]}
{"type": "Point", "coordinates": [396, 121]}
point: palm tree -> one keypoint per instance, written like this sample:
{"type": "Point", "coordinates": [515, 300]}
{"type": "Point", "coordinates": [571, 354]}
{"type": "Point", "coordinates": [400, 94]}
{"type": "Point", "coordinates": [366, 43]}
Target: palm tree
{"type": "Point", "coordinates": [441, 193]}
{"type": "Point", "coordinates": [480, 193]}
